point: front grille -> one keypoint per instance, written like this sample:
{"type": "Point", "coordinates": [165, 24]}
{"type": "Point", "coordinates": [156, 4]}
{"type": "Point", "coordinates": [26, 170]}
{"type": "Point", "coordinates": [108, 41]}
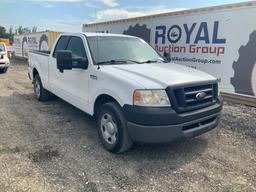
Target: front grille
{"type": "Point", "coordinates": [191, 97]}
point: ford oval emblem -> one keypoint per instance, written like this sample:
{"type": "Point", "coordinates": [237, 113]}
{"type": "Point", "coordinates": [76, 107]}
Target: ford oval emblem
{"type": "Point", "coordinates": [200, 95]}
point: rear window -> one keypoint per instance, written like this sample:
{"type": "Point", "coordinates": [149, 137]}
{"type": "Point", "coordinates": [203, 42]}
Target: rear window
{"type": "Point", "coordinates": [2, 48]}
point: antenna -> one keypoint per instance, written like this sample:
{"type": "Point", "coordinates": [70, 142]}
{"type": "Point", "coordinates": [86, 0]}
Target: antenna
{"type": "Point", "coordinates": [97, 43]}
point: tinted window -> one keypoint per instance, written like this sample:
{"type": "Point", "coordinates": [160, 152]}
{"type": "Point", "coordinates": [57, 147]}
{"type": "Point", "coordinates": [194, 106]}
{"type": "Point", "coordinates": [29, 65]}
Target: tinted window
{"type": "Point", "coordinates": [2, 47]}
{"type": "Point", "coordinates": [76, 45]}
{"type": "Point", "coordinates": [121, 48]}
{"type": "Point", "coordinates": [61, 45]}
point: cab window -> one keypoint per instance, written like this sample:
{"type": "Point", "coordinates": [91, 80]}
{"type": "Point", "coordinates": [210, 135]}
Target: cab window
{"type": "Point", "coordinates": [2, 48]}
{"type": "Point", "coordinates": [61, 44]}
{"type": "Point", "coordinates": [76, 45]}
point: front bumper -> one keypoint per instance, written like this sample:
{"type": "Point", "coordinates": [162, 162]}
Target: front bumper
{"type": "Point", "coordinates": [162, 125]}
{"type": "Point", "coordinates": [4, 64]}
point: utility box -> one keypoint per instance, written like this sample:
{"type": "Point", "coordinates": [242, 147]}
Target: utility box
{"type": "Point", "coordinates": [6, 41]}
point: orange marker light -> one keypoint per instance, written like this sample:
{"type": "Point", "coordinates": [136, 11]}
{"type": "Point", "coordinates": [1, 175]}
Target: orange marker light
{"type": "Point", "coordinates": [136, 96]}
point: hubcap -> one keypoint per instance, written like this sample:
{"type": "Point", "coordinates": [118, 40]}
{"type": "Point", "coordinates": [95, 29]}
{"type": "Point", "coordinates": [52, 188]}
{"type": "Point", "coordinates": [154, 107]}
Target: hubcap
{"type": "Point", "coordinates": [108, 128]}
{"type": "Point", "coordinates": [37, 88]}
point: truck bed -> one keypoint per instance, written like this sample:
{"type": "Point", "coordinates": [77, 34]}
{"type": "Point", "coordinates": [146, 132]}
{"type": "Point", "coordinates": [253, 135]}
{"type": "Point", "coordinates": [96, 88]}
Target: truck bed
{"type": "Point", "coordinates": [39, 59]}
{"type": "Point", "coordinates": [45, 53]}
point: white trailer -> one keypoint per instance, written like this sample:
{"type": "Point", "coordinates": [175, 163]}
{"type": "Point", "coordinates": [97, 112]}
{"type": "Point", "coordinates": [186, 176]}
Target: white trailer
{"type": "Point", "coordinates": [39, 41]}
{"type": "Point", "coordinates": [220, 40]}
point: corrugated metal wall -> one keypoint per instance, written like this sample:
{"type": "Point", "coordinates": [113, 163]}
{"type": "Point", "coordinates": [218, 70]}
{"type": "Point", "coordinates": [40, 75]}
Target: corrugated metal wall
{"type": "Point", "coordinates": [52, 35]}
{"type": "Point", "coordinates": [5, 41]}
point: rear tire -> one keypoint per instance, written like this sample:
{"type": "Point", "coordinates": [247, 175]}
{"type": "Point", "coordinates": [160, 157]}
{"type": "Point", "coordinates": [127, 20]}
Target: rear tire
{"type": "Point", "coordinates": [40, 93]}
{"type": "Point", "coordinates": [4, 70]}
{"type": "Point", "coordinates": [112, 128]}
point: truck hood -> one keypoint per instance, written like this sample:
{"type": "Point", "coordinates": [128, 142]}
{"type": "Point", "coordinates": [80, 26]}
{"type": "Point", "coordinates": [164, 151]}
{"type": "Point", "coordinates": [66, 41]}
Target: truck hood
{"type": "Point", "coordinates": [159, 75]}
{"type": "Point", "coordinates": [3, 52]}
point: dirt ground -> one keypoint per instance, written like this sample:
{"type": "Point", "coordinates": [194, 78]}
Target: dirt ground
{"type": "Point", "coordinates": [53, 146]}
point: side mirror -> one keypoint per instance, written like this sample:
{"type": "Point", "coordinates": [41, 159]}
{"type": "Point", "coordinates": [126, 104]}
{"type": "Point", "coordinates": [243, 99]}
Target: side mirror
{"type": "Point", "coordinates": [167, 56]}
{"type": "Point", "coordinates": [65, 61]}
{"type": "Point", "coordinates": [80, 62]}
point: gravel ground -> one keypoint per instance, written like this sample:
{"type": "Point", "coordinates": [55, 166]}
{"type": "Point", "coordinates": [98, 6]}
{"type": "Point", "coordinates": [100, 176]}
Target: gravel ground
{"type": "Point", "coordinates": [53, 146]}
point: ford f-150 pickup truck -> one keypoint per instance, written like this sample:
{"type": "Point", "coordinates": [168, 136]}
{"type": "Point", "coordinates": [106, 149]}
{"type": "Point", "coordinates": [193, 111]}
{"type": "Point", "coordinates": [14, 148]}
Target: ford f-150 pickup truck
{"type": "Point", "coordinates": [134, 93]}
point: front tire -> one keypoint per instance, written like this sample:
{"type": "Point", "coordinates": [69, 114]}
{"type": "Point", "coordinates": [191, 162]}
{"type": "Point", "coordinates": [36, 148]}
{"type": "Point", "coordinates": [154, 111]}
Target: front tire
{"type": "Point", "coordinates": [4, 70]}
{"type": "Point", "coordinates": [40, 93]}
{"type": "Point", "coordinates": [112, 128]}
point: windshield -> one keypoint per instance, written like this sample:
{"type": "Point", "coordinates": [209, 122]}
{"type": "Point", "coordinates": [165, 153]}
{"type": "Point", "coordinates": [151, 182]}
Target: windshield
{"type": "Point", "coordinates": [2, 47]}
{"type": "Point", "coordinates": [122, 50]}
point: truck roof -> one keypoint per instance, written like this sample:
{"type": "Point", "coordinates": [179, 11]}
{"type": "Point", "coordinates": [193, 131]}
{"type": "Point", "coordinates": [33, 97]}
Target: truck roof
{"type": "Point", "coordinates": [91, 34]}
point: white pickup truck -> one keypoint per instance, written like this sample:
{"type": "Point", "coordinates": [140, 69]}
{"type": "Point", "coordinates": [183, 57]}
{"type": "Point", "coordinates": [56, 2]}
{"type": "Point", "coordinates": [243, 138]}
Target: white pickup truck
{"type": "Point", "coordinates": [135, 94]}
{"type": "Point", "coordinates": [4, 60]}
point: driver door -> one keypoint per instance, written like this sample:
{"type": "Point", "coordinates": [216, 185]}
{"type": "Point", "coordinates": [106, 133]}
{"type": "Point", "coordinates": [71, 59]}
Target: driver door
{"type": "Point", "coordinates": [71, 85]}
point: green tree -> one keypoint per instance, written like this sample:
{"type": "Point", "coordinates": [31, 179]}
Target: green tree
{"type": "Point", "coordinates": [23, 30]}
{"type": "Point", "coordinates": [11, 34]}
{"type": "Point", "coordinates": [18, 31]}
{"type": "Point", "coordinates": [3, 33]}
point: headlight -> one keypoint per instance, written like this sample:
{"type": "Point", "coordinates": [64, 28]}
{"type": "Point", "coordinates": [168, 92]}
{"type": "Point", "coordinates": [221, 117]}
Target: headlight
{"type": "Point", "coordinates": [151, 98]}
{"type": "Point", "coordinates": [5, 56]}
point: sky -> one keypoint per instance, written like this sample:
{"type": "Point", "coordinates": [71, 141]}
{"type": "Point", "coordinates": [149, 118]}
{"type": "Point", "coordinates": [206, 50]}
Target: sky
{"type": "Point", "coordinates": [69, 15]}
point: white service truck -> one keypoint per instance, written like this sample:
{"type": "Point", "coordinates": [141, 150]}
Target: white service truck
{"type": "Point", "coordinates": [219, 40]}
{"type": "Point", "coordinates": [4, 60]}
{"type": "Point", "coordinates": [136, 95]}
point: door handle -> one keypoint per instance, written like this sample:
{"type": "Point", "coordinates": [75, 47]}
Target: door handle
{"type": "Point", "coordinates": [93, 77]}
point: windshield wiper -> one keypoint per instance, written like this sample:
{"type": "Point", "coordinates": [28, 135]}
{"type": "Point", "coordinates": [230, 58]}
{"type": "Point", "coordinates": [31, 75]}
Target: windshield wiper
{"type": "Point", "coordinates": [153, 61]}
{"type": "Point", "coordinates": [117, 61]}
{"type": "Point", "coordinates": [150, 61]}
{"type": "Point", "coordinates": [123, 61]}
{"type": "Point", "coordinates": [132, 61]}
{"type": "Point", "coordinates": [110, 62]}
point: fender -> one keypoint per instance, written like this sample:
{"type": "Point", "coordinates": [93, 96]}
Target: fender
{"type": "Point", "coordinates": [38, 69]}
{"type": "Point", "coordinates": [94, 97]}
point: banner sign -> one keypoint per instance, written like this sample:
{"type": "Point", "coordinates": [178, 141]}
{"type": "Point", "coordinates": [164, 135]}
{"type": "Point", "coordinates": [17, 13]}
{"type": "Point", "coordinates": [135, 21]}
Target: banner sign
{"type": "Point", "coordinates": [222, 43]}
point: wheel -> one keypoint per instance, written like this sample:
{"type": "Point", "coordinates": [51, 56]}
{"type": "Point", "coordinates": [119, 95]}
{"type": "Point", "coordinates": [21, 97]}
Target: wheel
{"type": "Point", "coordinates": [112, 128]}
{"type": "Point", "coordinates": [40, 93]}
{"type": "Point", "coordinates": [4, 70]}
